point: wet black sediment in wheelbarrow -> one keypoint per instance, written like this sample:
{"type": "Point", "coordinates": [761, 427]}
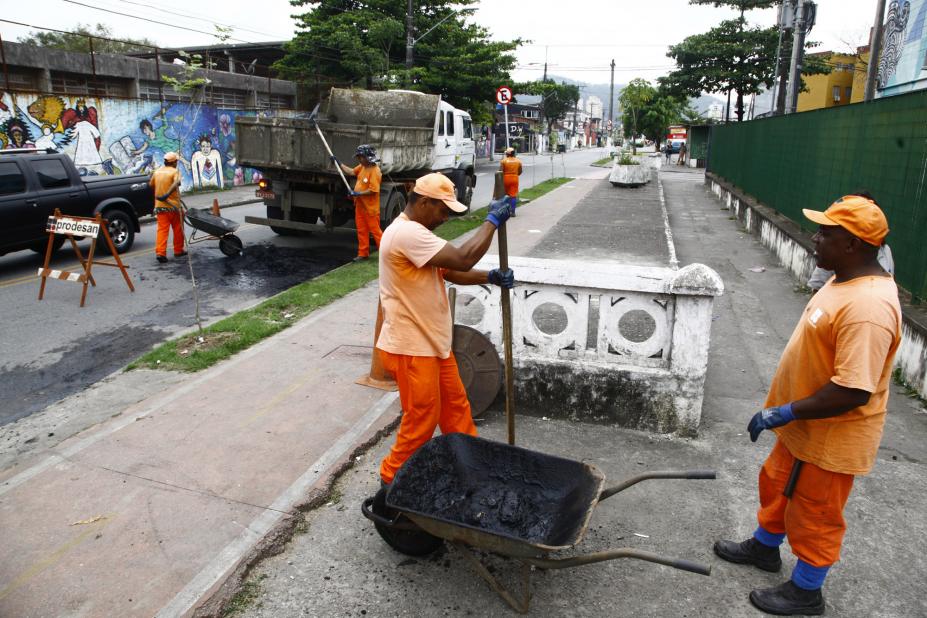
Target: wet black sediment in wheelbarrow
{"type": "Point", "coordinates": [497, 488]}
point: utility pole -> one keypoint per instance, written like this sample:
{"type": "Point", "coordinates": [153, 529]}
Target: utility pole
{"type": "Point", "coordinates": [543, 108]}
{"type": "Point", "coordinates": [781, 76]}
{"type": "Point", "coordinates": [804, 20]}
{"type": "Point", "coordinates": [410, 41]}
{"type": "Point", "coordinates": [611, 99]}
{"type": "Point", "coordinates": [875, 50]}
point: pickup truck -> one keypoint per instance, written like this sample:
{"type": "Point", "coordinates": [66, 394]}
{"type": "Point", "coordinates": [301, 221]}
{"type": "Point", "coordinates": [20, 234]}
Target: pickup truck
{"type": "Point", "coordinates": [33, 183]}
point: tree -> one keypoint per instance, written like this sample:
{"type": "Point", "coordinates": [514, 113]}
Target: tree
{"type": "Point", "coordinates": [731, 56]}
{"type": "Point", "coordinates": [634, 98]}
{"type": "Point", "coordinates": [556, 99]}
{"type": "Point", "coordinates": [364, 45]}
{"type": "Point", "coordinates": [77, 41]}
{"type": "Point", "coordinates": [663, 110]}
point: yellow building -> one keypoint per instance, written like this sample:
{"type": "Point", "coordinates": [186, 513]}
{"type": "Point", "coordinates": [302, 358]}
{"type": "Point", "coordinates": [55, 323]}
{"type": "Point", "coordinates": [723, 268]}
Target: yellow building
{"type": "Point", "coordinates": [859, 76]}
{"type": "Point", "coordinates": [841, 86]}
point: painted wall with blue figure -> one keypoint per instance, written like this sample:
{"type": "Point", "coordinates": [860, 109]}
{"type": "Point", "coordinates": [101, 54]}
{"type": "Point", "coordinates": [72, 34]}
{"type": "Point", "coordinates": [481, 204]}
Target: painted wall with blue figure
{"type": "Point", "coordinates": [120, 136]}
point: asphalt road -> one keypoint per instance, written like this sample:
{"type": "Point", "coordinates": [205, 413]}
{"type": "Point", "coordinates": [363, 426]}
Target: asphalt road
{"type": "Point", "coordinates": [54, 348]}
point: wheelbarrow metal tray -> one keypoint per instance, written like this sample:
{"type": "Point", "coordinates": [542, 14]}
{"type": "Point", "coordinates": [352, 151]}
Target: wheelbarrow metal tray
{"type": "Point", "coordinates": [207, 222]}
{"type": "Point", "coordinates": [505, 499]}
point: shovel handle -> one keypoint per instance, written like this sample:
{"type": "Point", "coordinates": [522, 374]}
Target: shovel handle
{"type": "Point", "coordinates": [332, 155]}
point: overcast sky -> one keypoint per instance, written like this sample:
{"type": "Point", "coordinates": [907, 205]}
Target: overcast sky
{"type": "Point", "coordinates": [578, 38]}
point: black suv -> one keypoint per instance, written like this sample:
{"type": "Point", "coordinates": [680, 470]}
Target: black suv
{"type": "Point", "coordinates": [33, 183]}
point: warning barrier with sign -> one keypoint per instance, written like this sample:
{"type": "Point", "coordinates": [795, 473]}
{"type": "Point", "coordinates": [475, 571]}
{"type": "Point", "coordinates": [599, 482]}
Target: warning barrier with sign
{"type": "Point", "coordinates": [83, 227]}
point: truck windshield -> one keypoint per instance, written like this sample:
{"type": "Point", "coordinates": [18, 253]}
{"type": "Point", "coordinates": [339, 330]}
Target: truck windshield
{"type": "Point", "coordinates": [440, 123]}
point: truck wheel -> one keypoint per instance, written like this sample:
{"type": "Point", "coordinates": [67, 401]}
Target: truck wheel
{"type": "Point", "coordinates": [277, 213]}
{"type": "Point", "coordinates": [121, 230]}
{"type": "Point", "coordinates": [395, 206]}
{"type": "Point", "coordinates": [464, 191]}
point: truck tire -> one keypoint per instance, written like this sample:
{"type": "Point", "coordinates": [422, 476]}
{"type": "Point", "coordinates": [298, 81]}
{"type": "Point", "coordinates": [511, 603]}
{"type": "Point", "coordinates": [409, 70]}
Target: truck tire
{"type": "Point", "coordinates": [395, 206]}
{"type": "Point", "coordinates": [277, 213]}
{"type": "Point", "coordinates": [464, 187]}
{"type": "Point", "coordinates": [121, 230]}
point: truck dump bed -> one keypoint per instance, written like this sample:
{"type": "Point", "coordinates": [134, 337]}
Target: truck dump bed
{"type": "Point", "coordinates": [399, 124]}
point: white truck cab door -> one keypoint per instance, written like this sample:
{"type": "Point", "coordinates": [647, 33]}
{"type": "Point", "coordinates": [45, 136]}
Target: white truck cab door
{"type": "Point", "coordinates": [445, 138]}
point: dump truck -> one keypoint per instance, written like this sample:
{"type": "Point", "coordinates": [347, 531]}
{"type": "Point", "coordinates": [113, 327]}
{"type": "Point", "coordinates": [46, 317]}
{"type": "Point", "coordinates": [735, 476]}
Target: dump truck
{"type": "Point", "coordinates": [413, 133]}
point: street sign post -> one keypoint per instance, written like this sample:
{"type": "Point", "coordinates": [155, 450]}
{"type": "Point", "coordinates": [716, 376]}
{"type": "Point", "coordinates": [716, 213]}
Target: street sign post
{"type": "Point", "coordinates": [503, 98]}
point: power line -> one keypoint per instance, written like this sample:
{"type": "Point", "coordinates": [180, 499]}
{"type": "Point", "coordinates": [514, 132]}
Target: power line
{"type": "Point", "coordinates": [195, 16]}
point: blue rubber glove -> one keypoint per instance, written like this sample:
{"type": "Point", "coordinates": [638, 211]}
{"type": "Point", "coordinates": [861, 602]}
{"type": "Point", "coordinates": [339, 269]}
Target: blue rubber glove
{"type": "Point", "coordinates": [334, 159]}
{"type": "Point", "coordinates": [769, 418]}
{"type": "Point", "coordinates": [163, 198]}
{"type": "Point", "coordinates": [502, 278]}
{"type": "Point", "coordinates": [354, 194]}
{"type": "Point", "coordinates": [500, 210]}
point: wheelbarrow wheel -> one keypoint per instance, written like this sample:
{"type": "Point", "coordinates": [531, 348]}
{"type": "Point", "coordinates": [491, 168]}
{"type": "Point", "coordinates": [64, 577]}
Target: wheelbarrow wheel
{"type": "Point", "coordinates": [409, 542]}
{"type": "Point", "coordinates": [230, 245]}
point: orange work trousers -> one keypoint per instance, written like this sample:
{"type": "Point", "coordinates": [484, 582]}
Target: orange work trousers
{"type": "Point", "coordinates": [432, 395]}
{"type": "Point", "coordinates": [510, 182]}
{"type": "Point", "coordinates": [167, 221]}
{"type": "Point", "coordinates": [813, 518]}
{"type": "Point", "coordinates": [367, 224]}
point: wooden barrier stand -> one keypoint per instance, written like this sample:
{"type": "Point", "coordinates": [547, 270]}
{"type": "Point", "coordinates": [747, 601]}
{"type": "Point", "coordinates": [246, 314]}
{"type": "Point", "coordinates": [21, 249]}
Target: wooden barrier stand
{"type": "Point", "coordinates": [83, 227]}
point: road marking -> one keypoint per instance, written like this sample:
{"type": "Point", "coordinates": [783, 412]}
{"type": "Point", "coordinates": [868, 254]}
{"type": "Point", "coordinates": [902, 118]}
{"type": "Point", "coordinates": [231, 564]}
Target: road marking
{"type": "Point", "coordinates": [232, 553]}
{"type": "Point", "coordinates": [56, 458]}
{"type": "Point", "coordinates": [670, 245]}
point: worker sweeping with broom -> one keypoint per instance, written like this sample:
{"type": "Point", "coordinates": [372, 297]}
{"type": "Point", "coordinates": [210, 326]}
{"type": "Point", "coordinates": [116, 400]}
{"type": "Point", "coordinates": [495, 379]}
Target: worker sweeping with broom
{"type": "Point", "coordinates": [415, 342]}
{"type": "Point", "coordinates": [366, 196]}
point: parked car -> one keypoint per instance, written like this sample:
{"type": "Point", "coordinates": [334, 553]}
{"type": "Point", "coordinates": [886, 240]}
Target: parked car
{"type": "Point", "coordinates": [33, 183]}
{"type": "Point", "coordinates": [676, 144]}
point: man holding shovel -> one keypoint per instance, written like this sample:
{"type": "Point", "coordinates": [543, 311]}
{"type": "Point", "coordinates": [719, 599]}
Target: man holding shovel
{"type": "Point", "coordinates": [827, 405]}
{"type": "Point", "coordinates": [415, 342]}
{"type": "Point", "coordinates": [166, 183]}
{"type": "Point", "coordinates": [366, 196]}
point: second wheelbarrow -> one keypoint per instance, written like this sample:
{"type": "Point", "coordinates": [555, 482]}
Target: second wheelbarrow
{"type": "Point", "coordinates": [479, 494]}
{"type": "Point", "coordinates": [216, 228]}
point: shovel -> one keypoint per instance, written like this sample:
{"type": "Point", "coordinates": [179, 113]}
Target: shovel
{"type": "Point", "coordinates": [312, 118]}
{"type": "Point", "coordinates": [499, 192]}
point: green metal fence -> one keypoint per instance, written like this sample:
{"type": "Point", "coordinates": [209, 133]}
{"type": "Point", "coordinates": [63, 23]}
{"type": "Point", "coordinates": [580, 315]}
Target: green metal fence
{"type": "Point", "coordinates": [808, 160]}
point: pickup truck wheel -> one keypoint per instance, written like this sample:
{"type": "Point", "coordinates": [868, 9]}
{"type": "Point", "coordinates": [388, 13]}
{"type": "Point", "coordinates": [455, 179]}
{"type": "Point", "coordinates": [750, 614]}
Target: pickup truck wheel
{"type": "Point", "coordinates": [41, 247]}
{"type": "Point", "coordinates": [121, 230]}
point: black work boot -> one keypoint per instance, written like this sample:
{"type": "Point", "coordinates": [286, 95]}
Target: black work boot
{"type": "Point", "coordinates": [752, 552]}
{"type": "Point", "coordinates": [787, 599]}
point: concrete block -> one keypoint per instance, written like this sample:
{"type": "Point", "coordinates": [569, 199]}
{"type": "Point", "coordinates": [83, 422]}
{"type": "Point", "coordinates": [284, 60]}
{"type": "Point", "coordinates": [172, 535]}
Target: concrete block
{"type": "Point", "coordinates": [630, 175]}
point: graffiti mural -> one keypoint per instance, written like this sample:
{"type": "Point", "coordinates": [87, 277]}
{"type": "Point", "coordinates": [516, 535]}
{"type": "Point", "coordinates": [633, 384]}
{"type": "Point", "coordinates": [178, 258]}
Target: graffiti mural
{"type": "Point", "coordinates": [118, 136]}
{"type": "Point", "coordinates": [903, 64]}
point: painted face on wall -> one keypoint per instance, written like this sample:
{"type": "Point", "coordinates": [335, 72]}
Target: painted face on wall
{"type": "Point", "coordinates": [225, 124]}
{"type": "Point", "coordinates": [205, 147]}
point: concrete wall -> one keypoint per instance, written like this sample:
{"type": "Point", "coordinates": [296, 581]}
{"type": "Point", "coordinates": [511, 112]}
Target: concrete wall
{"type": "Point", "coordinates": [795, 252]}
{"type": "Point", "coordinates": [603, 342]}
{"type": "Point", "coordinates": [107, 136]}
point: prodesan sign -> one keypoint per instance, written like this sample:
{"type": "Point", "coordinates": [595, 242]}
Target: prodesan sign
{"type": "Point", "coordinates": [72, 226]}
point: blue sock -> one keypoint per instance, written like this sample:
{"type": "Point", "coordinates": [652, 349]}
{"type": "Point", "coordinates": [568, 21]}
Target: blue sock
{"type": "Point", "coordinates": [809, 577]}
{"type": "Point", "coordinates": [768, 538]}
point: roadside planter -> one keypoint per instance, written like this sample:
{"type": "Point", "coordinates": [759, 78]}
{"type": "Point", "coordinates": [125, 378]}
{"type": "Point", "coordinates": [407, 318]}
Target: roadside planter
{"type": "Point", "coordinates": [628, 172]}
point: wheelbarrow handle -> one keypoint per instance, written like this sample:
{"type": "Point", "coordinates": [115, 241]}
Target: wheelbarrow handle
{"type": "Point", "coordinates": [602, 556]}
{"type": "Point", "coordinates": [658, 474]}
{"type": "Point", "coordinates": [367, 511]}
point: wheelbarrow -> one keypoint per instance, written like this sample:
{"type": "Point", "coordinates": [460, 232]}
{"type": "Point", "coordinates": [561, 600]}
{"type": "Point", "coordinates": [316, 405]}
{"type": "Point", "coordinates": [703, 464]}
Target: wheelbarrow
{"type": "Point", "coordinates": [514, 502]}
{"type": "Point", "coordinates": [216, 228]}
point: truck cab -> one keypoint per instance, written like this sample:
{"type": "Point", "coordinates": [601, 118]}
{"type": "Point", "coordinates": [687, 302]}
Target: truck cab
{"type": "Point", "coordinates": [455, 150]}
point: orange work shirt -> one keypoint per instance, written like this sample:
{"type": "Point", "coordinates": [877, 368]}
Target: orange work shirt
{"type": "Point", "coordinates": [162, 179]}
{"type": "Point", "coordinates": [368, 179]}
{"type": "Point", "coordinates": [848, 335]}
{"type": "Point", "coordinates": [416, 314]}
{"type": "Point", "coordinates": [511, 166]}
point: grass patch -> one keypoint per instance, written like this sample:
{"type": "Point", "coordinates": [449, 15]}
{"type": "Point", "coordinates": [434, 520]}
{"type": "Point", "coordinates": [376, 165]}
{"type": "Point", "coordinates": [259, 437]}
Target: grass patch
{"type": "Point", "coordinates": [602, 162]}
{"type": "Point", "coordinates": [244, 598]}
{"type": "Point", "coordinates": [227, 337]}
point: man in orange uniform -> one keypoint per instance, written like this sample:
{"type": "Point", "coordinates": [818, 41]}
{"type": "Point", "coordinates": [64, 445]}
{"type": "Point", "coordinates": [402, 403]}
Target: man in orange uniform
{"type": "Point", "coordinates": [366, 196]}
{"type": "Point", "coordinates": [415, 341]}
{"type": "Point", "coordinates": [166, 183]}
{"type": "Point", "coordinates": [511, 170]}
{"type": "Point", "coordinates": [827, 406]}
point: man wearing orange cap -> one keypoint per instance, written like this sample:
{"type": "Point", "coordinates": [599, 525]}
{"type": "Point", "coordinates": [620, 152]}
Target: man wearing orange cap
{"type": "Point", "coordinates": [511, 170]}
{"type": "Point", "coordinates": [826, 404]}
{"type": "Point", "coordinates": [166, 183]}
{"type": "Point", "coordinates": [415, 341]}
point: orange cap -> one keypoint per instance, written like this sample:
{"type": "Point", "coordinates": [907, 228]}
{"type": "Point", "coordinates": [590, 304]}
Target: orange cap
{"type": "Point", "coordinates": [170, 157]}
{"type": "Point", "coordinates": [439, 187]}
{"type": "Point", "coordinates": [857, 215]}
